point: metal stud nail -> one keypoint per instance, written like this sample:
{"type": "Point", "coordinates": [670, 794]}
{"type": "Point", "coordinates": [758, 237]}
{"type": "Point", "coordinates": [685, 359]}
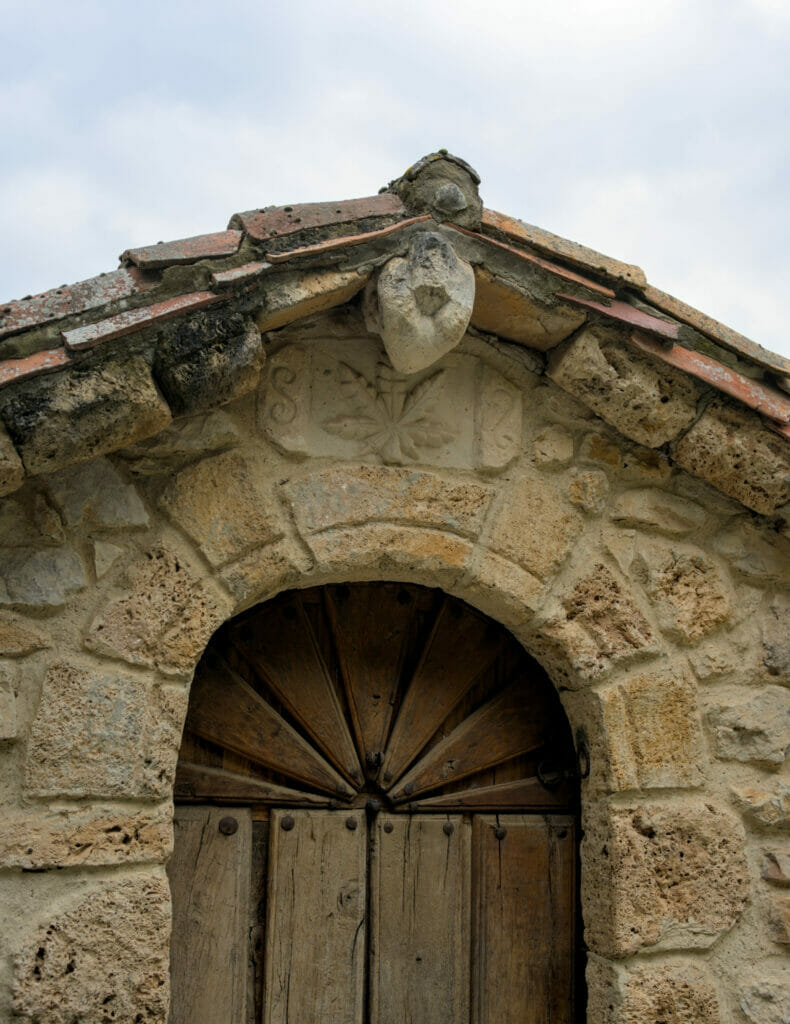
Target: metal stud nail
{"type": "Point", "coordinates": [351, 824]}
{"type": "Point", "coordinates": [228, 826]}
{"type": "Point", "coordinates": [448, 828]}
{"type": "Point", "coordinates": [287, 823]}
{"type": "Point", "coordinates": [499, 832]}
{"type": "Point", "coordinates": [388, 826]}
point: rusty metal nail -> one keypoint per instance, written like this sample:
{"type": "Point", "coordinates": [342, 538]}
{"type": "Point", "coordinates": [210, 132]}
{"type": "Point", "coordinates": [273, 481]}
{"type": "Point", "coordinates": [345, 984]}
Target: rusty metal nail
{"type": "Point", "coordinates": [499, 832]}
{"type": "Point", "coordinates": [287, 823]}
{"type": "Point", "coordinates": [228, 826]}
{"type": "Point", "coordinates": [408, 789]}
{"type": "Point", "coordinates": [388, 826]}
{"type": "Point", "coordinates": [351, 823]}
{"type": "Point", "coordinates": [448, 828]}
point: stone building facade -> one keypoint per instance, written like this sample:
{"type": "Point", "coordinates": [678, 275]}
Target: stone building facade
{"type": "Point", "coordinates": [412, 388]}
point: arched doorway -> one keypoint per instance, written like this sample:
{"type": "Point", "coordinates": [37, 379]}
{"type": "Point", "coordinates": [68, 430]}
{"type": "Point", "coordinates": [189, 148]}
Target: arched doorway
{"type": "Point", "coordinates": [376, 820]}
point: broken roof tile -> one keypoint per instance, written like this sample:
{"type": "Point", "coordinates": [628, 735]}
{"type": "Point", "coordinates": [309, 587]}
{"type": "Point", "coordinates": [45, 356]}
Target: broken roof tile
{"type": "Point", "coordinates": [237, 275]}
{"type": "Point", "coordinates": [625, 314]}
{"type": "Point", "coordinates": [13, 370]}
{"type": "Point", "coordinates": [275, 221]}
{"type": "Point", "coordinates": [346, 241]}
{"type": "Point", "coordinates": [68, 300]}
{"type": "Point", "coordinates": [184, 250]}
{"type": "Point", "coordinates": [81, 338]}
{"type": "Point", "coordinates": [554, 245]}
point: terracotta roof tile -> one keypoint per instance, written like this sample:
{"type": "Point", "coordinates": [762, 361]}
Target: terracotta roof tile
{"type": "Point", "coordinates": [237, 275]}
{"type": "Point", "coordinates": [263, 225]}
{"type": "Point", "coordinates": [184, 250]}
{"type": "Point", "coordinates": [623, 313]}
{"type": "Point", "coordinates": [13, 370]}
{"type": "Point", "coordinates": [554, 245]}
{"type": "Point", "coordinates": [81, 338]}
{"type": "Point", "coordinates": [69, 300]}
{"type": "Point", "coordinates": [346, 241]}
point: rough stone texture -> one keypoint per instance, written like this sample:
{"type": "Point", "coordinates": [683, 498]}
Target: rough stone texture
{"type": "Point", "coordinates": [422, 303]}
{"type": "Point", "coordinates": [182, 442]}
{"type": "Point", "coordinates": [358, 494]}
{"type": "Point", "coordinates": [779, 920]}
{"type": "Point", "coordinates": [91, 837]}
{"type": "Point", "coordinates": [266, 571]}
{"type": "Point", "coordinates": [677, 993]}
{"type": "Point", "coordinates": [755, 553]}
{"type": "Point", "coordinates": [767, 1001]}
{"type": "Point", "coordinates": [764, 807]}
{"type": "Point", "coordinates": [730, 448]}
{"type": "Point", "coordinates": [164, 621]}
{"type": "Point", "coordinates": [95, 493]}
{"type": "Point", "coordinates": [18, 638]}
{"type": "Point", "coordinates": [71, 417]}
{"type": "Point", "coordinates": [29, 523]}
{"type": "Point", "coordinates": [661, 877]}
{"type": "Point", "coordinates": [776, 640]}
{"type": "Point", "coordinates": [644, 399]}
{"type": "Point", "coordinates": [600, 627]}
{"type": "Point", "coordinates": [103, 961]}
{"type": "Point", "coordinates": [8, 693]}
{"type": "Point", "coordinates": [601, 451]}
{"type": "Point", "coordinates": [552, 448]}
{"type": "Point", "coordinates": [503, 308]}
{"type": "Point", "coordinates": [103, 733]}
{"type": "Point", "coordinates": [12, 472]}
{"type": "Point", "coordinates": [222, 505]}
{"type": "Point", "coordinates": [31, 578]}
{"type": "Point", "coordinates": [105, 555]}
{"type": "Point", "coordinates": [776, 867]}
{"type": "Point", "coordinates": [292, 296]}
{"type": "Point", "coordinates": [588, 489]}
{"type": "Point", "coordinates": [208, 360]}
{"type": "Point", "coordinates": [426, 191]}
{"type": "Point", "coordinates": [754, 730]}
{"type": "Point", "coordinates": [647, 508]}
{"type": "Point", "coordinates": [535, 526]}
{"type": "Point", "coordinates": [686, 587]}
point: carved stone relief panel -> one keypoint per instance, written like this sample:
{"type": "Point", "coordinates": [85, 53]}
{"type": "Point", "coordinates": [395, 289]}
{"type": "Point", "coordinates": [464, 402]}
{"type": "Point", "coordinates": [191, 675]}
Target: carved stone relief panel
{"type": "Point", "coordinates": [343, 399]}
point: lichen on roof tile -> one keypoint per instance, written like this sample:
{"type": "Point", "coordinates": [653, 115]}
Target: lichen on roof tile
{"type": "Point", "coordinates": [184, 250]}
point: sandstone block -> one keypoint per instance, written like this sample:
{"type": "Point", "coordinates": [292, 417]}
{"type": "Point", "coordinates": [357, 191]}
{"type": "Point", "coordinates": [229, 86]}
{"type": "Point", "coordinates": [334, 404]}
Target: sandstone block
{"type": "Point", "coordinates": [767, 1001]}
{"type": "Point", "coordinates": [776, 640]}
{"type": "Point", "coordinates": [642, 398]}
{"type": "Point", "coordinates": [94, 493]}
{"type": "Point", "coordinates": [102, 733]}
{"type": "Point", "coordinates": [599, 450]}
{"type": "Point", "coordinates": [18, 639]}
{"type": "Point", "coordinates": [95, 837]}
{"type": "Point", "coordinates": [71, 417]}
{"type": "Point", "coordinates": [767, 808]}
{"type": "Point", "coordinates": [292, 296]}
{"type": "Point", "coordinates": [553, 447]}
{"type": "Point", "coordinates": [266, 571]}
{"type": "Point", "coordinates": [12, 472]}
{"type": "Point", "coordinates": [647, 508]}
{"type": "Point", "coordinates": [358, 494]}
{"type": "Point", "coordinates": [31, 578]}
{"type": "Point", "coordinates": [207, 360]}
{"type": "Point", "coordinates": [164, 621]}
{"type": "Point", "coordinates": [776, 867]}
{"type": "Point", "coordinates": [779, 920]}
{"type": "Point", "coordinates": [588, 490]}
{"type": "Point", "coordinates": [184, 441]}
{"type": "Point", "coordinates": [8, 692]}
{"type": "Point", "coordinates": [223, 506]}
{"type": "Point", "coordinates": [756, 730]}
{"type": "Point", "coordinates": [32, 523]}
{"type": "Point", "coordinates": [75, 967]}
{"type": "Point", "coordinates": [759, 555]}
{"type": "Point", "coordinates": [730, 448]}
{"type": "Point", "coordinates": [535, 526]}
{"type": "Point", "coordinates": [502, 590]}
{"type": "Point", "coordinates": [105, 555]}
{"type": "Point", "coordinates": [661, 877]}
{"type": "Point", "coordinates": [677, 993]}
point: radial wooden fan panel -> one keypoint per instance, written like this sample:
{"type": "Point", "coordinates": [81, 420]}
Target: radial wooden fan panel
{"type": "Point", "coordinates": [335, 695]}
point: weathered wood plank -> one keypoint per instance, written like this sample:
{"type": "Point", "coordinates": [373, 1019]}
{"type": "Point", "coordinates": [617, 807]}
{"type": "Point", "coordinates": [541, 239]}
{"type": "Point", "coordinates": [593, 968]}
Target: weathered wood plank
{"type": "Point", "coordinates": [209, 876]}
{"type": "Point", "coordinates": [520, 795]}
{"type": "Point", "coordinates": [523, 920]}
{"type": "Point", "coordinates": [283, 649]}
{"type": "Point", "coordinates": [315, 927]}
{"type": "Point", "coordinates": [198, 782]}
{"type": "Point", "coordinates": [225, 709]}
{"type": "Point", "coordinates": [461, 645]}
{"type": "Point", "coordinates": [510, 724]}
{"type": "Point", "coordinates": [420, 891]}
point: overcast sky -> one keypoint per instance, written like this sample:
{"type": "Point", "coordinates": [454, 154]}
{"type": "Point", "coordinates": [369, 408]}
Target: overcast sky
{"type": "Point", "coordinates": [655, 131]}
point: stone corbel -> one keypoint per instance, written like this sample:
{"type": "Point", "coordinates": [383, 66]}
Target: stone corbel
{"type": "Point", "coordinates": [421, 304]}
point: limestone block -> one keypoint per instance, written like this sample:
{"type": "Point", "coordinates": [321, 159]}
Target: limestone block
{"type": "Point", "coordinates": [102, 733]}
{"type": "Point", "coordinates": [164, 621]}
{"type": "Point", "coordinates": [686, 587]}
{"type": "Point", "coordinates": [267, 571]}
{"type": "Point", "coordinates": [358, 494]}
{"type": "Point", "coordinates": [12, 472]}
{"type": "Point", "coordinates": [31, 578]}
{"type": "Point", "coordinates": [223, 505]}
{"type": "Point", "coordinates": [755, 730]}
{"type": "Point", "coordinates": [92, 837]}
{"type": "Point", "coordinates": [775, 627]}
{"type": "Point", "coordinates": [292, 296]}
{"type": "Point", "coordinates": [105, 555]}
{"type": "Point", "coordinates": [648, 508]}
{"type": "Point", "coordinates": [184, 441]}
{"type": "Point", "coordinates": [765, 807]}
{"type": "Point", "coordinates": [661, 877]}
{"type": "Point", "coordinates": [767, 1000]}
{"type": "Point", "coordinates": [95, 494]}
{"type": "Point", "coordinates": [207, 360]}
{"type": "Point", "coordinates": [535, 525]}
{"type": "Point", "coordinates": [28, 523]}
{"type": "Point", "coordinates": [552, 448]}
{"type": "Point", "coordinates": [341, 398]}
{"type": "Point", "coordinates": [422, 303]}
{"type": "Point", "coordinates": [776, 867]}
{"type": "Point", "coordinates": [600, 626]}
{"type": "Point", "coordinates": [71, 417]}
{"type": "Point", "coordinates": [104, 960]}
{"type": "Point", "coordinates": [642, 398]}
{"type": "Point", "coordinates": [502, 590]}
{"type": "Point", "coordinates": [758, 554]}
{"type": "Point", "coordinates": [8, 693]}
{"type": "Point", "coordinates": [779, 920]}
{"type": "Point", "coordinates": [599, 450]}
{"type": "Point", "coordinates": [676, 993]}
{"type": "Point", "coordinates": [18, 638]}
{"type": "Point", "coordinates": [730, 448]}
{"type": "Point", "coordinates": [588, 490]}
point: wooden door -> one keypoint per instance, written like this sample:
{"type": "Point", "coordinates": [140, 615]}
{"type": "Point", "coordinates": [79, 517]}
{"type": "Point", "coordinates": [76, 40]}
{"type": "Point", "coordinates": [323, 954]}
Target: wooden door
{"type": "Point", "coordinates": [394, 778]}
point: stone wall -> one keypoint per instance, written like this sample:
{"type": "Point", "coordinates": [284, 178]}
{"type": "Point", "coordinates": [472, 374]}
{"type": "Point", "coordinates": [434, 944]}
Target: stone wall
{"type": "Point", "coordinates": [660, 608]}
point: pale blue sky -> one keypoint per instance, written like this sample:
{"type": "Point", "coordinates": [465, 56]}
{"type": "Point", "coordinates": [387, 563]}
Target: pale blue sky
{"type": "Point", "coordinates": [655, 131]}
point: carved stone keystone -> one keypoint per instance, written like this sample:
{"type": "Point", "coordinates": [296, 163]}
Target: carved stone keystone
{"type": "Point", "coordinates": [422, 304]}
